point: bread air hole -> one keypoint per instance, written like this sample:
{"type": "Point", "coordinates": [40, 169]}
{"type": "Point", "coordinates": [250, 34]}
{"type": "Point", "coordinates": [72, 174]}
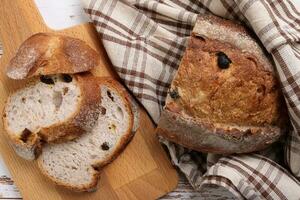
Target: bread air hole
{"type": "Point", "coordinates": [57, 99]}
{"type": "Point", "coordinates": [47, 80]}
{"type": "Point", "coordinates": [66, 78]}
{"type": "Point", "coordinates": [109, 95]}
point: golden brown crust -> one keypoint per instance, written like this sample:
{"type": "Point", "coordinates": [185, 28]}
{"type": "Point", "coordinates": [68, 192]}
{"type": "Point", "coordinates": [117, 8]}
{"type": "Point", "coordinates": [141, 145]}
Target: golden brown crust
{"type": "Point", "coordinates": [224, 90]}
{"type": "Point", "coordinates": [243, 94]}
{"type": "Point", "coordinates": [216, 138]}
{"type": "Point", "coordinates": [47, 54]}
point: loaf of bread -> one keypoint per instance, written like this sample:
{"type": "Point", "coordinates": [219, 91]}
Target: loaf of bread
{"type": "Point", "coordinates": [72, 122]}
{"type": "Point", "coordinates": [225, 97]}
{"type": "Point", "coordinates": [76, 164]}
{"type": "Point", "coordinates": [50, 109]}
{"type": "Point", "coordinates": [48, 54]}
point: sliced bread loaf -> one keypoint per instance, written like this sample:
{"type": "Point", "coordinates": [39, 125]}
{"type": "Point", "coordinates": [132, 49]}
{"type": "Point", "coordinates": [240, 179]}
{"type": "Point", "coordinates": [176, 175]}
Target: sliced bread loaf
{"type": "Point", "coordinates": [225, 97]}
{"type": "Point", "coordinates": [76, 164]}
{"type": "Point", "coordinates": [48, 54]}
{"type": "Point", "coordinates": [50, 109]}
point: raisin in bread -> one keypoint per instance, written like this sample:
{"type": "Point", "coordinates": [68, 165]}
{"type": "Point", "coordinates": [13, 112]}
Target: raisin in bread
{"type": "Point", "coordinates": [50, 109]}
{"type": "Point", "coordinates": [225, 97]}
{"type": "Point", "coordinates": [48, 53]}
{"type": "Point", "coordinates": [76, 164]}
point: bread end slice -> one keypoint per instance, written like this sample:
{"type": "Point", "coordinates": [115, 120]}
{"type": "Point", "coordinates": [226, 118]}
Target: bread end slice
{"type": "Point", "coordinates": [48, 54]}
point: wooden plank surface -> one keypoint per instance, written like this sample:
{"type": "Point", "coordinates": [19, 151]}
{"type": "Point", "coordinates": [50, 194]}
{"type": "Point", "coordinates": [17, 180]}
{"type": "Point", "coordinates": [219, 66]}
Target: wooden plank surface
{"type": "Point", "coordinates": [143, 168]}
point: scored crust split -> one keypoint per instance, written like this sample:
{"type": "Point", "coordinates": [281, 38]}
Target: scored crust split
{"type": "Point", "coordinates": [225, 97]}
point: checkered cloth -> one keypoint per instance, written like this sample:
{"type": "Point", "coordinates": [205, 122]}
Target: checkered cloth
{"type": "Point", "coordinates": [145, 40]}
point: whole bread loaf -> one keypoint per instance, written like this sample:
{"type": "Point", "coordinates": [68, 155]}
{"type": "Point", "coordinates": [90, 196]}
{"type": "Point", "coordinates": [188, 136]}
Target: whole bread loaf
{"type": "Point", "coordinates": [225, 97]}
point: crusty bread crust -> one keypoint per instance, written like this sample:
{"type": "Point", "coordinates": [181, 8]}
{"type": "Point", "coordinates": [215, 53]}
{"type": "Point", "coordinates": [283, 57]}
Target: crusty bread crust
{"type": "Point", "coordinates": [48, 53]}
{"type": "Point", "coordinates": [207, 91]}
{"type": "Point", "coordinates": [215, 138]}
{"type": "Point", "coordinates": [98, 165]}
{"type": "Point", "coordinates": [72, 127]}
{"type": "Point", "coordinates": [236, 107]}
{"type": "Point", "coordinates": [227, 31]}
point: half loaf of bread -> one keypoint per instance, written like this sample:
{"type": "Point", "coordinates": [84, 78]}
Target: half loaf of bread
{"type": "Point", "coordinates": [76, 164]}
{"type": "Point", "coordinates": [225, 97]}
{"type": "Point", "coordinates": [50, 109]}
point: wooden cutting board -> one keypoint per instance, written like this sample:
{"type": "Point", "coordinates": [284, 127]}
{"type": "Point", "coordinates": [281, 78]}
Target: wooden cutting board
{"type": "Point", "coordinates": [142, 171]}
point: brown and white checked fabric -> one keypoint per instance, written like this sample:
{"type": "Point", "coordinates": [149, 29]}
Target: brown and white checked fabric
{"type": "Point", "coordinates": [145, 40]}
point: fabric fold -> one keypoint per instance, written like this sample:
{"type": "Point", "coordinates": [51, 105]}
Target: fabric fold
{"type": "Point", "coordinates": [145, 40]}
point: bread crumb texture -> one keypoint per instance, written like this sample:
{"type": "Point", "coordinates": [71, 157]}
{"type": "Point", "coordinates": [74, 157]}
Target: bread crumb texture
{"type": "Point", "coordinates": [221, 83]}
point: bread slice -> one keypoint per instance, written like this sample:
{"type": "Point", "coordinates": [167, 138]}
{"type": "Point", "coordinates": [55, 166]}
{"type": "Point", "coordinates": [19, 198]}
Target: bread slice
{"type": "Point", "coordinates": [225, 97]}
{"type": "Point", "coordinates": [76, 164]}
{"type": "Point", "coordinates": [48, 53]}
{"type": "Point", "coordinates": [50, 109]}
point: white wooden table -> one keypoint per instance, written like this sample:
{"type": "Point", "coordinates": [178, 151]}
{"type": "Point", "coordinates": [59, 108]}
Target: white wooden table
{"type": "Point", "coordinates": [57, 15]}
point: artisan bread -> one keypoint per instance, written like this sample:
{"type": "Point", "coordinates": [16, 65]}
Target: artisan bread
{"type": "Point", "coordinates": [76, 164]}
{"type": "Point", "coordinates": [225, 97]}
{"type": "Point", "coordinates": [50, 109]}
{"type": "Point", "coordinates": [48, 54]}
